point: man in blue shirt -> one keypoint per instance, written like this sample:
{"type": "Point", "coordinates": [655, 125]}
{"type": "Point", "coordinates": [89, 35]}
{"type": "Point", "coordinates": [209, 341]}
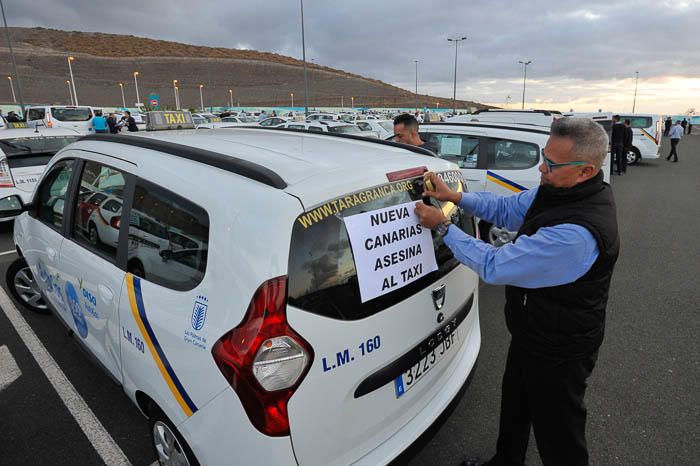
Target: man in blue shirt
{"type": "Point", "coordinates": [557, 274]}
{"type": "Point", "coordinates": [675, 134]}
{"type": "Point", "coordinates": [99, 123]}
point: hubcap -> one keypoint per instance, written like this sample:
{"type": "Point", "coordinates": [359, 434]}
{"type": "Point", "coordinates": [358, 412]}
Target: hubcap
{"type": "Point", "coordinates": [169, 450]}
{"type": "Point", "coordinates": [27, 289]}
{"type": "Point", "coordinates": [93, 235]}
{"type": "Point", "coordinates": [499, 236]}
{"type": "Point", "coordinates": [631, 157]}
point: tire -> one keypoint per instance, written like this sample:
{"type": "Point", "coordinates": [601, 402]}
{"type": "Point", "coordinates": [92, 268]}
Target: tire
{"type": "Point", "coordinates": [633, 156]}
{"type": "Point", "coordinates": [23, 287]}
{"type": "Point", "coordinates": [93, 234]}
{"type": "Point", "coordinates": [493, 235]}
{"type": "Point", "coordinates": [170, 447]}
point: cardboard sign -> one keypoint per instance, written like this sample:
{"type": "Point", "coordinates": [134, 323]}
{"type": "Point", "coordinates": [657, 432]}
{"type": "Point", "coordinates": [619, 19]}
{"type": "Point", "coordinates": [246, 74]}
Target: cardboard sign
{"type": "Point", "coordinates": [391, 249]}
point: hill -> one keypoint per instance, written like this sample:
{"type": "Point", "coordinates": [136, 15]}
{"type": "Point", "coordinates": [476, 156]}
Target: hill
{"type": "Point", "coordinates": [102, 61]}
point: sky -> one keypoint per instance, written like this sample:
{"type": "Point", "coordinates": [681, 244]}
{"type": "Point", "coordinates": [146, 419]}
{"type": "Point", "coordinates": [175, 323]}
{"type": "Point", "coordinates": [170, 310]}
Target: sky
{"type": "Point", "coordinates": [584, 54]}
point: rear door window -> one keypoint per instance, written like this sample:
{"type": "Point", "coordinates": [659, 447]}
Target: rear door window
{"type": "Point", "coordinates": [505, 154]}
{"type": "Point", "coordinates": [322, 274]}
{"type": "Point", "coordinates": [36, 114]}
{"type": "Point", "coordinates": [460, 149]}
{"type": "Point", "coordinates": [71, 114]}
{"type": "Point", "coordinates": [637, 121]}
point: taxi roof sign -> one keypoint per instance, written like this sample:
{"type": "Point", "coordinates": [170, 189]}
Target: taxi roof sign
{"type": "Point", "coordinates": [157, 121]}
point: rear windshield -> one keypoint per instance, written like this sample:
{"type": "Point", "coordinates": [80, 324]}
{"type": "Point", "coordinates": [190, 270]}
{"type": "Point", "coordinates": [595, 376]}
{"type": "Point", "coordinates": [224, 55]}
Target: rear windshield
{"type": "Point", "coordinates": [344, 129]}
{"type": "Point", "coordinates": [71, 114]}
{"type": "Point", "coordinates": [39, 145]}
{"type": "Point", "coordinates": [322, 274]}
{"type": "Point", "coordinates": [387, 125]}
{"type": "Point", "coordinates": [637, 121]}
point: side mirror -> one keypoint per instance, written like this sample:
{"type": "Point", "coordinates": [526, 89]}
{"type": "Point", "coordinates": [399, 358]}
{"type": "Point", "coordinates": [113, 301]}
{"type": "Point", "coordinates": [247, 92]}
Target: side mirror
{"type": "Point", "coordinates": [12, 206]}
{"type": "Point", "coordinates": [166, 255]}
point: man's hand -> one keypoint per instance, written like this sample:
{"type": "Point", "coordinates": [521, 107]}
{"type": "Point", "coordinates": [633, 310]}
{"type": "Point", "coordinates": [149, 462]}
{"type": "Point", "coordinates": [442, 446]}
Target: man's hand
{"type": "Point", "coordinates": [429, 216]}
{"type": "Point", "coordinates": [441, 191]}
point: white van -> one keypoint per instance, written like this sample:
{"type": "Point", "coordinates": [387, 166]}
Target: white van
{"type": "Point", "coordinates": [524, 117]}
{"type": "Point", "coordinates": [646, 129]}
{"type": "Point", "coordinates": [61, 116]}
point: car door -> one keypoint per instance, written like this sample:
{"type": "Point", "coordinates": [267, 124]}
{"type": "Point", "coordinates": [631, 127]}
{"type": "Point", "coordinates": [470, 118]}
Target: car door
{"type": "Point", "coordinates": [462, 149]}
{"type": "Point", "coordinates": [89, 261]}
{"type": "Point", "coordinates": [43, 234]}
{"type": "Point", "coordinates": [512, 165]}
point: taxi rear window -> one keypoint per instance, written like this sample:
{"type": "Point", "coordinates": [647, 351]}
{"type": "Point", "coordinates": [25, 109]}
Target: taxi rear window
{"type": "Point", "coordinates": [322, 274]}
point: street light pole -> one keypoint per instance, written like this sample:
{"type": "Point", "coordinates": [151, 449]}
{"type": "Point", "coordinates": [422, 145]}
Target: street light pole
{"type": "Point", "coordinates": [12, 87]}
{"type": "Point", "coordinates": [201, 96]}
{"type": "Point", "coordinates": [352, 102]}
{"type": "Point", "coordinates": [416, 109]}
{"type": "Point", "coordinates": [303, 52]}
{"type": "Point", "coordinates": [72, 81]}
{"type": "Point", "coordinates": [14, 61]}
{"type": "Point", "coordinates": [121, 87]}
{"type": "Point", "coordinates": [454, 91]}
{"type": "Point", "coordinates": [634, 102]}
{"type": "Point", "coordinates": [70, 94]}
{"type": "Point", "coordinates": [525, 63]}
{"type": "Point", "coordinates": [230, 95]}
{"type": "Point", "coordinates": [177, 104]}
{"type": "Point", "coordinates": [292, 94]}
{"type": "Point", "coordinates": [136, 83]}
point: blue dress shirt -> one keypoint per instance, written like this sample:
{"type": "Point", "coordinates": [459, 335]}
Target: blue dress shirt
{"type": "Point", "coordinates": [552, 256]}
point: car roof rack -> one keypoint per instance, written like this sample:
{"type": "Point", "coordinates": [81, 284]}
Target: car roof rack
{"type": "Point", "coordinates": [229, 163]}
{"type": "Point", "coordinates": [417, 150]}
{"type": "Point", "coordinates": [477, 124]}
{"type": "Point", "coordinates": [497, 110]}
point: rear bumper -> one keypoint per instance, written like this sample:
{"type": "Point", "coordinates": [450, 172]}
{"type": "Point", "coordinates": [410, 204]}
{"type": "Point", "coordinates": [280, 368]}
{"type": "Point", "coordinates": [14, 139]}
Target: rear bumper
{"type": "Point", "coordinates": [453, 382]}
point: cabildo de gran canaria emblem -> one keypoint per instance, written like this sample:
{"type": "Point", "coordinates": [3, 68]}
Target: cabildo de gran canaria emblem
{"type": "Point", "coordinates": [199, 313]}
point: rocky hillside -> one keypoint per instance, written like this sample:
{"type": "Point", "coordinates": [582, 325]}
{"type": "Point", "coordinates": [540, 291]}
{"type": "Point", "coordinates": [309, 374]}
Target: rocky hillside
{"type": "Point", "coordinates": [102, 61]}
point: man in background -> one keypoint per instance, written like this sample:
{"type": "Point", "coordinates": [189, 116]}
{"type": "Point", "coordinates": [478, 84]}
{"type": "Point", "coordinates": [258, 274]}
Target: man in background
{"type": "Point", "coordinates": [676, 134]}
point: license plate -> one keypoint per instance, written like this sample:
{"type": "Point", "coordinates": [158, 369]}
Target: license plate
{"type": "Point", "coordinates": [417, 372]}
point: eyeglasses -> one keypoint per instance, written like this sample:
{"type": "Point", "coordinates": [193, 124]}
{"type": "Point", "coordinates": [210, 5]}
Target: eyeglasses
{"type": "Point", "coordinates": [552, 165]}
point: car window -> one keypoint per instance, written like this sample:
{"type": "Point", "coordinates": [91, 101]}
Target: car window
{"type": "Point", "coordinates": [637, 121]}
{"type": "Point", "coordinates": [71, 114]}
{"type": "Point", "coordinates": [344, 129]}
{"type": "Point", "coordinates": [51, 195]}
{"type": "Point", "coordinates": [35, 145]}
{"type": "Point", "coordinates": [460, 149]}
{"type": "Point", "coordinates": [322, 274]}
{"type": "Point", "coordinates": [512, 155]}
{"type": "Point", "coordinates": [315, 129]}
{"type": "Point", "coordinates": [387, 125]}
{"type": "Point", "coordinates": [364, 126]}
{"type": "Point", "coordinates": [97, 216]}
{"type": "Point", "coordinates": [296, 126]}
{"type": "Point", "coordinates": [36, 114]}
{"type": "Point", "coordinates": [168, 238]}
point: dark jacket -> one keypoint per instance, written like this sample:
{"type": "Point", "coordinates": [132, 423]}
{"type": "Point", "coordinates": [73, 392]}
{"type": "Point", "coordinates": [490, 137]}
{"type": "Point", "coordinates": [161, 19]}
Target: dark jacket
{"type": "Point", "coordinates": [112, 123]}
{"type": "Point", "coordinates": [131, 124]}
{"type": "Point", "coordinates": [618, 134]}
{"type": "Point", "coordinates": [629, 136]}
{"type": "Point", "coordinates": [567, 321]}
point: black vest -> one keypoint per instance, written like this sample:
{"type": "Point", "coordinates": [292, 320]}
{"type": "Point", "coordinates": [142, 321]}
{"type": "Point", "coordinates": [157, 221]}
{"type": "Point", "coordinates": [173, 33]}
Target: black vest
{"type": "Point", "coordinates": [567, 321]}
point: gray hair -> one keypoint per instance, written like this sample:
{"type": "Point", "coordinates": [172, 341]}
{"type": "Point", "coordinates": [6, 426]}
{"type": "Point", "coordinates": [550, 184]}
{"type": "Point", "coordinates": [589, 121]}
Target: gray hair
{"type": "Point", "coordinates": [590, 139]}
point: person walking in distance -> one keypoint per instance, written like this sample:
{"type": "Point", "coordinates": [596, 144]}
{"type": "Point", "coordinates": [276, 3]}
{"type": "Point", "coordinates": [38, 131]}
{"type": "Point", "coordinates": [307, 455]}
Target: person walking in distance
{"type": "Point", "coordinates": [667, 126]}
{"type": "Point", "coordinates": [690, 125]}
{"type": "Point", "coordinates": [618, 145]}
{"type": "Point", "coordinates": [684, 124]}
{"type": "Point", "coordinates": [557, 274]}
{"type": "Point", "coordinates": [676, 134]}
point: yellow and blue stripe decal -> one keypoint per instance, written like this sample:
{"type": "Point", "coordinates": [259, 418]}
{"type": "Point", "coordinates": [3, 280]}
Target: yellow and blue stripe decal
{"type": "Point", "coordinates": [506, 183]}
{"type": "Point", "coordinates": [653, 139]}
{"type": "Point", "coordinates": [133, 285]}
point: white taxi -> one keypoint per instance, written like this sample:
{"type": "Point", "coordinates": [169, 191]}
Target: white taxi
{"type": "Point", "coordinates": [328, 328]}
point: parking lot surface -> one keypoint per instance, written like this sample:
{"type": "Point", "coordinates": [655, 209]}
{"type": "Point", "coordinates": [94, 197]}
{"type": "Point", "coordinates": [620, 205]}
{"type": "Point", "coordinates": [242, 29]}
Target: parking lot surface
{"type": "Point", "coordinates": [643, 399]}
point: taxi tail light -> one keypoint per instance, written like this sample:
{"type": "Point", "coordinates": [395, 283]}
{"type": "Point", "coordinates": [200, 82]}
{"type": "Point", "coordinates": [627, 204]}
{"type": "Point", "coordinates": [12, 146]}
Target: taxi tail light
{"type": "Point", "coordinates": [5, 175]}
{"type": "Point", "coordinates": [264, 359]}
{"type": "Point", "coordinates": [406, 174]}
{"type": "Point", "coordinates": [115, 222]}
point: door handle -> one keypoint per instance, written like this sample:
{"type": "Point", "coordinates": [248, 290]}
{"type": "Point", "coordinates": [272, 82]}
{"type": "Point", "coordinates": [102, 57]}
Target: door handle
{"type": "Point", "coordinates": [105, 293]}
{"type": "Point", "coordinates": [472, 179]}
{"type": "Point", "coordinates": [51, 252]}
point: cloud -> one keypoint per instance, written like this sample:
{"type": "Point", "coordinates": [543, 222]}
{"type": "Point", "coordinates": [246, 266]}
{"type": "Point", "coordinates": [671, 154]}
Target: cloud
{"type": "Point", "coordinates": [601, 42]}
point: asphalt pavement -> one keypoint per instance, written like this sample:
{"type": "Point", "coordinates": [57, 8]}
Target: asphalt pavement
{"type": "Point", "coordinates": [643, 400]}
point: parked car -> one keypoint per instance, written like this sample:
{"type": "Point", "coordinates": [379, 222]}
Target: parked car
{"type": "Point", "coordinates": [382, 128]}
{"type": "Point", "coordinates": [273, 122]}
{"type": "Point", "coordinates": [61, 116]}
{"type": "Point", "coordinates": [257, 351]}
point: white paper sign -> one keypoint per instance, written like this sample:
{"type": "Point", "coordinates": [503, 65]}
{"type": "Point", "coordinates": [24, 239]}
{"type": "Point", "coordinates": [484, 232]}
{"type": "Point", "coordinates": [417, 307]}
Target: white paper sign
{"type": "Point", "coordinates": [451, 146]}
{"type": "Point", "coordinates": [391, 249]}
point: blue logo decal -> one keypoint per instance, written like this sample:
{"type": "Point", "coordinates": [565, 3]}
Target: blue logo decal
{"type": "Point", "coordinates": [76, 311]}
{"type": "Point", "coordinates": [398, 385]}
{"type": "Point", "coordinates": [199, 313]}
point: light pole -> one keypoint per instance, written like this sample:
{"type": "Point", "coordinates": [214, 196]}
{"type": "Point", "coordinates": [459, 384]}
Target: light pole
{"type": "Point", "coordinates": [525, 63]}
{"type": "Point", "coordinates": [136, 83]}
{"type": "Point", "coordinates": [177, 103]}
{"type": "Point", "coordinates": [70, 94]}
{"type": "Point", "coordinates": [230, 94]}
{"type": "Point", "coordinates": [454, 91]}
{"type": "Point", "coordinates": [437, 107]}
{"type": "Point", "coordinates": [342, 102]}
{"type": "Point", "coordinates": [14, 61]}
{"type": "Point", "coordinates": [201, 96]}
{"type": "Point", "coordinates": [292, 94]}
{"type": "Point", "coordinates": [72, 81]}
{"type": "Point", "coordinates": [352, 102]}
{"type": "Point", "coordinates": [12, 87]}
{"type": "Point", "coordinates": [416, 109]}
{"type": "Point", "coordinates": [634, 102]}
{"type": "Point", "coordinates": [121, 88]}
{"type": "Point", "coordinates": [177, 94]}
{"type": "Point", "coordinates": [303, 51]}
